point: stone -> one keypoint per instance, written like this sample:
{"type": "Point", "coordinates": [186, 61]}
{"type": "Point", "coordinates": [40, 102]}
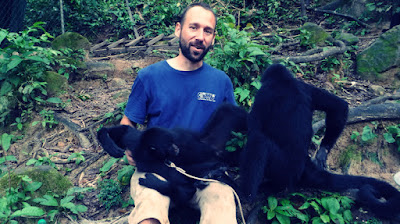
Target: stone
{"type": "Point", "coordinates": [318, 34]}
{"type": "Point", "coordinates": [381, 56]}
{"type": "Point", "coordinates": [72, 40]}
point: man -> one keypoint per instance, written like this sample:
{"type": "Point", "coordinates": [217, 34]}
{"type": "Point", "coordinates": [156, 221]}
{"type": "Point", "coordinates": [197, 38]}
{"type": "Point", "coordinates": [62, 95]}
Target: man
{"type": "Point", "coordinates": [181, 92]}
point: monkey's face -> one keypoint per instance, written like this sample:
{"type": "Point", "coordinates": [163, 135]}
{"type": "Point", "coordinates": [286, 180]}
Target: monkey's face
{"type": "Point", "coordinates": [159, 144]}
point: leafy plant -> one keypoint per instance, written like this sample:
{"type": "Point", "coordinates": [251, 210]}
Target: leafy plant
{"type": "Point", "coordinates": [48, 119]}
{"type": "Point", "coordinates": [245, 94]}
{"type": "Point", "coordinates": [57, 204]}
{"type": "Point", "coordinates": [338, 79]}
{"type": "Point", "coordinates": [323, 208]}
{"type": "Point", "coordinates": [5, 143]}
{"type": "Point", "coordinates": [329, 63]}
{"type": "Point", "coordinates": [237, 142]}
{"type": "Point", "coordinates": [16, 204]}
{"type": "Point", "coordinates": [117, 114]}
{"type": "Point", "coordinates": [393, 135]}
{"type": "Point", "coordinates": [42, 161]}
{"type": "Point", "coordinates": [282, 210]}
{"type": "Point", "coordinates": [78, 156]}
{"type": "Point", "coordinates": [305, 39]}
{"type": "Point", "coordinates": [367, 136]}
{"type": "Point", "coordinates": [107, 166]}
{"type": "Point", "coordinates": [23, 63]}
{"type": "Point", "coordinates": [125, 174]}
{"type": "Point", "coordinates": [110, 193]}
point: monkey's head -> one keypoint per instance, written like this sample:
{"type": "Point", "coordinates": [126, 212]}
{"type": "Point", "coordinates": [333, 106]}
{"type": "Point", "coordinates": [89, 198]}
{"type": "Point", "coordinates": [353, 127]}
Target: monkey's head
{"type": "Point", "coordinates": [156, 144]}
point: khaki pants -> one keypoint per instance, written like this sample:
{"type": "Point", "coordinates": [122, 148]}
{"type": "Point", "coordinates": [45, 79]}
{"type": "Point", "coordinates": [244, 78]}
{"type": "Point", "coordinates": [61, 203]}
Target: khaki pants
{"type": "Point", "coordinates": [216, 203]}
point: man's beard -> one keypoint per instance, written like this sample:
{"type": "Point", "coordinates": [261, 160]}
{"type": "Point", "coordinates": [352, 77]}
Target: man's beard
{"type": "Point", "coordinates": [185, 48]}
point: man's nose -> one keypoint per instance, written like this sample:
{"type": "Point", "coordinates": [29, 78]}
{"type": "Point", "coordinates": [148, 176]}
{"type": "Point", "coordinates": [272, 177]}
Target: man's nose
{"type": "Point", "coordinates": [200, 35]}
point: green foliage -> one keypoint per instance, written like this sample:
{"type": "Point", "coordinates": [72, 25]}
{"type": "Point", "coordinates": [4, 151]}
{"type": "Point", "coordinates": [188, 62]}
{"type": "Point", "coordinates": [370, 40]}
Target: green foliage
{"type": "Point", "coordinates": [110, 193]}
{"type": "Point", "coordinates": [275, 10]}
{"type": "Point", "coordinates": [305, 39]}
{"type": "Point", "coordinates": [78, 157]}
{"type": "Point", "coordinates": [393, 135]}
{"type": "Point", "coordinates": [324, 208]}
{"type": "Point", "coordinates": [42, 161]}
{"type": "Point", "coordinates": [237, 142]}
{"type": "Point", "coordinates": [56, 204]}
{"type": "Point", "coordinates": [240, 57]}
{"type": "Point", "coordinates": [117, 114]}
{"type": "Point", "coordinates": [367, 136]}
{"type": "Point", "coordinates": [48, 119]}
{"type": "Point", "coordinates": [20, 203]}
{"type": "Point", "coordinates": [107, 166]}
{"type": "Point", "coordinates": [245, 94]}
{"type": "Point", "coordinates": [329, 63]}
{"type": "Point", "coordinates": [282, 210]}
{"type": "Point", "coordinates": [90, 17]}
{"type": "Point", "coordinates": [351, 153]}
{"type": "Point", "coordinates": [23, 63]}
{"type": "Point", "coordinates": [125, 174]}
{"type": "Point", "coordinates": [15, 203]}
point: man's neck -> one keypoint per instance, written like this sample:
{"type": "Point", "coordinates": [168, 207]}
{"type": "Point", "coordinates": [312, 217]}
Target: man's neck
{"type": "Point", "coordinates": [181, 63]}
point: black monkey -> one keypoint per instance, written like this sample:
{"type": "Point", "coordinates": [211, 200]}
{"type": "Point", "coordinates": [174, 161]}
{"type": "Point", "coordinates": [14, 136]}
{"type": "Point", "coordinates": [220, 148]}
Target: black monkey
{"type": "Point", "coordinates": [196, 153]}
{"type": "Point", "coordinates": [279, 135]}
{"type": "Point", "coordinates": [150, 148]}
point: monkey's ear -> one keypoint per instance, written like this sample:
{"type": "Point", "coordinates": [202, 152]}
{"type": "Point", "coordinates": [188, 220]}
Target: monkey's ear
{"type": "Point", "coordinates": [116, 140]}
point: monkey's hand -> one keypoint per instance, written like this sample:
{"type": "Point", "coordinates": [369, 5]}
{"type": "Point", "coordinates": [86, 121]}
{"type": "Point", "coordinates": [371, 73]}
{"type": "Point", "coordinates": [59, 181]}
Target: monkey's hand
{"type": "Point", "coordinates": [152, 181]}
{"type": "Point", "coordinates": [321, 157]}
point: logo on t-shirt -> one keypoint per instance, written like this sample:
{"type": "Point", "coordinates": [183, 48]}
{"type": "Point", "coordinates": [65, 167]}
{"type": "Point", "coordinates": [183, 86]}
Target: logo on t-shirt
{"type": "Point", "coordinates": [206, 96]}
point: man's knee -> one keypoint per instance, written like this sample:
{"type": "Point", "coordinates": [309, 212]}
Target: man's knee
{"type": "Point", "coordinates": [217, 191]}
{"type": "Point", "coordinates": [150, 221]}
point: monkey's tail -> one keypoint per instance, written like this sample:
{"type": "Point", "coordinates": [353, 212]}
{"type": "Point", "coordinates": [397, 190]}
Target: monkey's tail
{"type": "Point", "coordinates": [379, 197]}
{"type": "Point", "coordinates": [372, 198]}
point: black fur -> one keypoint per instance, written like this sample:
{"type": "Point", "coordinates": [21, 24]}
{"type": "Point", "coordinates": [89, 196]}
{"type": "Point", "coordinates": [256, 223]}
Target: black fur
{"type": "Point", "coordinates": [196, 153]}
{"type": "Point", "coordinates": [279, 135]}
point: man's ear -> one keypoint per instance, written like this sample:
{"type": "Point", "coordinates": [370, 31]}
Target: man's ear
{"type": "Point", "coordinates": [178, 29]}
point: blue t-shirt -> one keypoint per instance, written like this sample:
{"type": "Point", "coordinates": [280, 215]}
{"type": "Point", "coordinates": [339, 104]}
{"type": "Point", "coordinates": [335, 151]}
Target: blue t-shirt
{"type": "Point", "coordinates": [170, 98]}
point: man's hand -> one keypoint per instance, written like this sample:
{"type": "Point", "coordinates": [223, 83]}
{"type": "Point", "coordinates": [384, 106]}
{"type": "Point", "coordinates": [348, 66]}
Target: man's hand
{"type": "Point", "coordinates": [129, 157]}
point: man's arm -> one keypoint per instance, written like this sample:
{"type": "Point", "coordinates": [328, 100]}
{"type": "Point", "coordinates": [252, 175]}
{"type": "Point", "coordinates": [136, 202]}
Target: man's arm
{"type": "Point", "coordinates": [125, 121]}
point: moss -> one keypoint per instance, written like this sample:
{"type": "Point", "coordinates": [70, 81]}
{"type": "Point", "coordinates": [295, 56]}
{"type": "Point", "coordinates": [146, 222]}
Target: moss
{"type": "Point", "coordinates": [51, 179]}
{"type": "Point", "coordinates": [380, 56]}
{"type": "Point", "coordinates": [56, 83]}
{"type": "Point", "coordinates": [346, 157]}
{"type": "Point", "coordinates": [72, 40]}
{"type": "Point", "coordinates": [318, 34]}
{"type": "Point", "coordinates": [348, 38]}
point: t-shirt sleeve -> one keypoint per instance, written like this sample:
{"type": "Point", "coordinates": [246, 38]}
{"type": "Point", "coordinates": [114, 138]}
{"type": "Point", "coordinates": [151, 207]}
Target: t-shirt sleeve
{"type": "Point", "coordinates": [136, 107]}
{"type": "Point", "coordinates": [229, 95]}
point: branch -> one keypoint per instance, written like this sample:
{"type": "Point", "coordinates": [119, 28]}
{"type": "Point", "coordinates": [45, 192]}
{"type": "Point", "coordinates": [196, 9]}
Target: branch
{"type": "Point", "coordinates": [343, 15]}
{"type": "Point", "coordinates": [383, 111]}
{"type": "Point", "coordinates": [317, 56]}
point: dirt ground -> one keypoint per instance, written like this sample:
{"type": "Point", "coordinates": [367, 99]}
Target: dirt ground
{"type": "Point", "coordinates": [90, 99]}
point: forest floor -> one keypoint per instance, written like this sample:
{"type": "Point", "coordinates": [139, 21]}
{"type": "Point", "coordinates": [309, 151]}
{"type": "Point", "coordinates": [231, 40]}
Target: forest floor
{"type": "Point", "coordinates": [90, 99]}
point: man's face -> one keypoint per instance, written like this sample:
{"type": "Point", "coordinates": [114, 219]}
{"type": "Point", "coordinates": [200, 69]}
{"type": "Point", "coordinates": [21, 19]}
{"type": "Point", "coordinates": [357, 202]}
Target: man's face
{"type": "Point", "coordinates": [197, 33]}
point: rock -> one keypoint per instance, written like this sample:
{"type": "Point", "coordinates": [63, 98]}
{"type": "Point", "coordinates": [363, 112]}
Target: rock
{"type": "Point", "coordinates": [51, 179]}
{"type": "Point", "coordinates": [382, 55]}
{"type": "Point", "coordinates": [348, 38]}
{"type": "Point", "coordinates": [318, 34]}
{"type": "Point", "coordinates": [378, 90]}
{"type": "Point", "coordinates": [72, 40]}
{"type": "Point", "coordinates": [56, 83]}
{"type": "Point", "coordinates": [117, 82]}
{"type": "Point", "coordinates": [397, 178]}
